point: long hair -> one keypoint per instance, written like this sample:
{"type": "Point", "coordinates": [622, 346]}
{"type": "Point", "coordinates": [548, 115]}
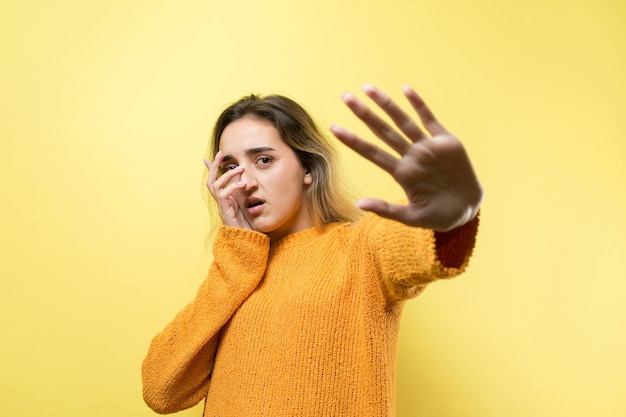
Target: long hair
{"type": "Point", "coordinates": [327, 195]}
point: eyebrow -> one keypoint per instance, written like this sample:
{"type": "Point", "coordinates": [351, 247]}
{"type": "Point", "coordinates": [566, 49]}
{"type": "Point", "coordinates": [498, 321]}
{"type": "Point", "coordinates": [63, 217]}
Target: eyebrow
{"type": "Point", "coordinates": [251, 151]}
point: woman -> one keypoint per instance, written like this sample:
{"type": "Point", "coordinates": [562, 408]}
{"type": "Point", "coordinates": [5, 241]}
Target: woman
{"type": "Point", "coordinates": [299, 313]}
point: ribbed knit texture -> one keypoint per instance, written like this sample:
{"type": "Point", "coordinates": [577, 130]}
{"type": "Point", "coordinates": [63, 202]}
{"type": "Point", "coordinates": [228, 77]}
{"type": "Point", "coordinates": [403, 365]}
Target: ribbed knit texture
{"type": "Point", "coordinates": [306, 326]}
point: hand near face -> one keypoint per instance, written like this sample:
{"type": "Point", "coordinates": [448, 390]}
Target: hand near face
{"type": "Point", "coordinates": [433, 169]}
{"type": "Point", "coordinates": [222, 189]}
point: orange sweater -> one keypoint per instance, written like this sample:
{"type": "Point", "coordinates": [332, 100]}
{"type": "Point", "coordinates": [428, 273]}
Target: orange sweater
{"type": "Point", "coordinates": [305, 326]}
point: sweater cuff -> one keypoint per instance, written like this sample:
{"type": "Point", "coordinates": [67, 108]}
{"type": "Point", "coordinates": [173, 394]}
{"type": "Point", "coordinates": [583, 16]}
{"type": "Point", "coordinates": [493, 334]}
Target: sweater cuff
{"type": "Point", "coordinates": [228, 234]}
{"type": "Point", "coordinates": [246, 249]}
{"type": "Point", "coordinates": [455, 246]}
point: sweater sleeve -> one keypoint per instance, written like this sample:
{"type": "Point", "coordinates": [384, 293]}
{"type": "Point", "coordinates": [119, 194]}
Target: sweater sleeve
{"type": "Point", "coordinates": [409, 258]}
{"type": "Point", "coordinates": [177, 368]}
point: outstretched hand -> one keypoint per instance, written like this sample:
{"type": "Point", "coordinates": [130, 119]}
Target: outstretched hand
{"type": "Point", "coordinates": [434, 170]}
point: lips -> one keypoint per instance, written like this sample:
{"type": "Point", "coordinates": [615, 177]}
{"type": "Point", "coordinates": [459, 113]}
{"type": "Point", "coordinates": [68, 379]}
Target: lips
{"type": "Point", "coordinates": [253, 202]}
{"type": "Point", "coordinates": [254, 206]}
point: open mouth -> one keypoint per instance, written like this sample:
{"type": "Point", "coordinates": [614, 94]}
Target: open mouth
{"type": "Point", "coordinates": [253, 202]}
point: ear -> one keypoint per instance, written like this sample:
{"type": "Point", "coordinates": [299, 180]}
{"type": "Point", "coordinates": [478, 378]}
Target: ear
{"type": "Point", "coordinates": [308, 178]}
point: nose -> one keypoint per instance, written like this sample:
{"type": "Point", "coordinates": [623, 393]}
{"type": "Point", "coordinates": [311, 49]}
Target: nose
{"type": "Point", "coordinates": [249, 180]}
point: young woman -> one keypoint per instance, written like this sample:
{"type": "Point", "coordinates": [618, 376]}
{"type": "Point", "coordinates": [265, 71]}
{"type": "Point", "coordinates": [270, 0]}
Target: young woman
{"type": "Point", "coordinates": [299, 313]}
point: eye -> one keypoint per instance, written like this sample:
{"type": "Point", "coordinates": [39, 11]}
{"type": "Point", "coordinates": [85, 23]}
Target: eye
{"type": "Point", "coordinates": [228, 167]}
{"type": "Point", "coordinates": [264, 160]}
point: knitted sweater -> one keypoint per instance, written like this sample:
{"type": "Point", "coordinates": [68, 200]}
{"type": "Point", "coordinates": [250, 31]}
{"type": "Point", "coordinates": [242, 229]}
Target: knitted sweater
{"type": "Point", "coordinates": [305, 326]}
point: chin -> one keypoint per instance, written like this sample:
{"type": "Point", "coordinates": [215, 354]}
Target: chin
{"type": "Point", "coordinates": [262, 228]}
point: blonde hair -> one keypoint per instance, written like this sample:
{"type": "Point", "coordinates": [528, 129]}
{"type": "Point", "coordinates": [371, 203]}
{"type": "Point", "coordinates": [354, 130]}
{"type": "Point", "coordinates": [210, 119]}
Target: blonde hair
{"type": "Point", "coordinates": [326, 196]}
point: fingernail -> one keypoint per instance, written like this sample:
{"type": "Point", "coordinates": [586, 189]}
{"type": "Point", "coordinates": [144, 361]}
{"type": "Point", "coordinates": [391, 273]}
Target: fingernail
{"type": "Point", "coordinates": [368, 88]}
{"type": "Point", "coordinates": [336, 129]}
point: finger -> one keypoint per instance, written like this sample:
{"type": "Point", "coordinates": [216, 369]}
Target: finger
{"type": "Point", "coordinates": [213, 167]}
{"type": "Point", "coordinates": [243, 222]}
{"type": "Point", "coordinates": [210, 179]}
{"type": "Point", "coordinates": [377, 125]}
{"type": "Point", "coordinates": [401, 119]}
{"type": "Point", "coordinates": [383, 208]}
{"type": "Point", "coordinates": [227, 203]}
{"type": "Point", "coordinates": [228, 190]}
{"type": "Point", "coordinates": [222, 182]}
{"type": "Point", "coordinates": [365, 149]}
{"type": "Point", "coordinates": [426, 116]}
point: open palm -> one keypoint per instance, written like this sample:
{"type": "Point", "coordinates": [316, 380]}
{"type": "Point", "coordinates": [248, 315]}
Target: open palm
{"type": "Point", "coordinates": [433, 169]}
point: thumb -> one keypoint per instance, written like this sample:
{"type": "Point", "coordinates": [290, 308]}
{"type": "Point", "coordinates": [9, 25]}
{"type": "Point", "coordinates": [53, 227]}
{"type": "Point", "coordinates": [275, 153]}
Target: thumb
{"type": "Point", "coordinates": [382, 208]}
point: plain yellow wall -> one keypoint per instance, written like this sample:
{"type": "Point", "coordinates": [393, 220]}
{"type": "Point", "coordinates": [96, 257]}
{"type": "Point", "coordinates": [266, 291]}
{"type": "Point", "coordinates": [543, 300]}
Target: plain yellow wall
{"type": "Point", "coordinates": [105, 111]}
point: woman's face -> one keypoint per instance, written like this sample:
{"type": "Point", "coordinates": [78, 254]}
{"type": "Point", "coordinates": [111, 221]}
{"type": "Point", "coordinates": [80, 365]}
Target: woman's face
{"type": "Point", "coordinates": [273, 198]}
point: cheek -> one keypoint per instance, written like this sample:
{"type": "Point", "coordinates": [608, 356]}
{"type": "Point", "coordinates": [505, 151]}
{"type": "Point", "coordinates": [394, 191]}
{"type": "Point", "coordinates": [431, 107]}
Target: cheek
{"type": "Point", "coordinates": [293, 183]}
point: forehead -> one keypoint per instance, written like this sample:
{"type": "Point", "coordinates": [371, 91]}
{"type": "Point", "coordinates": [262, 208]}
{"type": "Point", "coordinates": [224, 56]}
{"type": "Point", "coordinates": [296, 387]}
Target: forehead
{"type": "Point", "coordinates": [249, 133]}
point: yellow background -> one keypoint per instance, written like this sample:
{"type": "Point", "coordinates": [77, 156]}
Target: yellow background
{"type": "Point", "coordinates": [105, 111]}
